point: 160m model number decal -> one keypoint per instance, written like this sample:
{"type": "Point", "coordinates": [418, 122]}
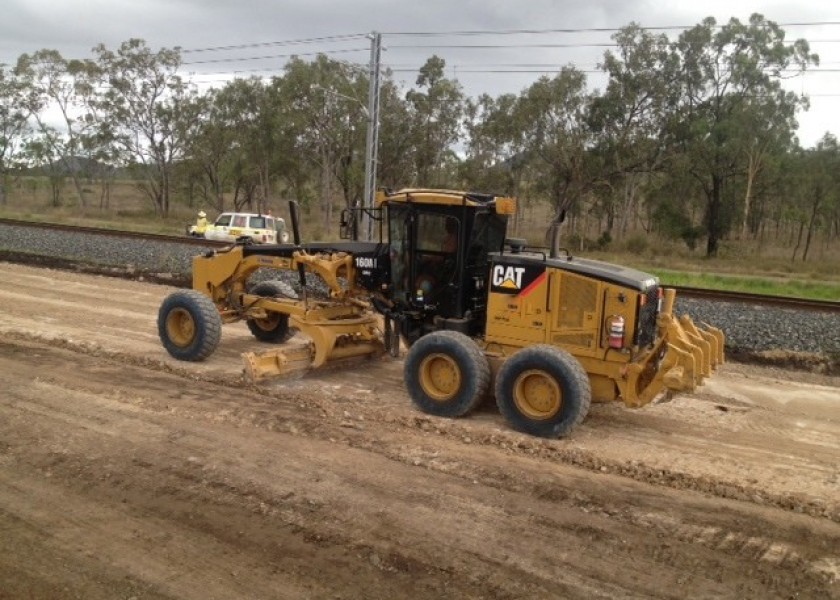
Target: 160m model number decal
{"type": "Point", "coordinates": [365, 262]}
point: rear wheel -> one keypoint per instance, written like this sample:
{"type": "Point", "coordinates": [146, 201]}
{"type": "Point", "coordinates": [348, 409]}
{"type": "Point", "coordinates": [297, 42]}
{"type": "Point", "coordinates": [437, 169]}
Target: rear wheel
{"type": "Point", "coordinates": [446, 374]}
{"type": "Point", "coordinates": [543, 391]}
{"type": "Point", "coordinates": [189, 325]}
{"type": "Point", "coordinates": [275, 327]}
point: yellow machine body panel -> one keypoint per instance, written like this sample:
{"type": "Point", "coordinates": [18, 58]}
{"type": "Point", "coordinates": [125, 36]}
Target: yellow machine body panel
{"type": "Point", "coordinates": [592, 310]}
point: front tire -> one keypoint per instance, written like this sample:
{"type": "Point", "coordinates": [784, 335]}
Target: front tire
{"type": "Point", "coordinates": [543, 391]}
{"type": "Point", "coordinates": [274, 329]}
{"type": "Point", "coordinates": [446, 374]}
{"type": "Point", "coordinates": [189, 325]}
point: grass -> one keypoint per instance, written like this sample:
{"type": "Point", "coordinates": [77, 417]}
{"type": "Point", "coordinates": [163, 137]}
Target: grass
{"type": "Point", "coordinates": [741, 266]}
{"type": "Point", "coordinates": [773, 286]}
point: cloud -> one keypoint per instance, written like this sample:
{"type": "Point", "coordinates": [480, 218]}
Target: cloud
{"type": "Point", "coordinates": [75, 26]}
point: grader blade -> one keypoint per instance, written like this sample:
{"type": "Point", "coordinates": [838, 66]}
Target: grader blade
{"type": "Point", "coordinates": [284, 362]}
{"type": "Point", "coordinates": [330, 342]}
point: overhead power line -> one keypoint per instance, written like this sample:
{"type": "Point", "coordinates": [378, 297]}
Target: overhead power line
{"type": "Point", "coordinates": [303, 41]}
{"type": "Point", "coordinates": [465, 33]}
{"type": "Point", "coordinates": [273, 56]}
{"type": "Point", "coordinates": [572, 30]}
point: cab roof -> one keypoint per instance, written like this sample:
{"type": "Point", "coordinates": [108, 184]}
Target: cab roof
{"type": "Point", "coordinates": [502, 204]}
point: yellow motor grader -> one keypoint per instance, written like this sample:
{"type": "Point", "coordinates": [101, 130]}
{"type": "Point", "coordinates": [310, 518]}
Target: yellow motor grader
{"type": "Point", "coordinates": [545, 332]}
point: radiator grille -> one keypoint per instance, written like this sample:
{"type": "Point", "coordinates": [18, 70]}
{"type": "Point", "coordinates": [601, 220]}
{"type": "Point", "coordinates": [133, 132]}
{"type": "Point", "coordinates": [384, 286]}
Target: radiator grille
{"type": "Point", "coordinates": [646, 330]}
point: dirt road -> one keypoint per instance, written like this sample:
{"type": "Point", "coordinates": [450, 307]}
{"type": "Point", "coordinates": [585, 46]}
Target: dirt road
{"type": "Point", "coordinates": [126, 474]}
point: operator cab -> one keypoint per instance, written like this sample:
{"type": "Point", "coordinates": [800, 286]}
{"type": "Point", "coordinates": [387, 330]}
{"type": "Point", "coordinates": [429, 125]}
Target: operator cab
{"type": "Point", "coordinates": [439, 244]}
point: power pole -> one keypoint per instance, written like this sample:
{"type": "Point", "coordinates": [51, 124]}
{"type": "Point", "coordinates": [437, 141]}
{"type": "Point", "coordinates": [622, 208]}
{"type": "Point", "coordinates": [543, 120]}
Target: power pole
{"type": "Point", "coordinates": [372, 149]}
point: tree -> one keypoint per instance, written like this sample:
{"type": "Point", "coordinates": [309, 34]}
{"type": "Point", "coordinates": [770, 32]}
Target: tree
{"type": "Point", "coordinates": [396, 164]}
{"type": "Point", "coordinates": [726, 73]}
{"type": "Point", "coordinates": [819, 184]}
{"type": "Point", "coordinates": [68, 86]}
{"type": "Point", "coordinates": [556, 136]}
{"type": "Point", "coordinates": [40, 152]}
{"type": "Point", "coordinates": [436, 108]}
{"type": "Point", "coordinates": [628, 119]}
{"type": "Point", "coordinates": [494, 148]}
{"type": "Point", "coordinates": [152, 111]}
{"type": "Point", "coordinates": [230, 147]}
{"type": "Point", "coordinates": [325, 108]}
{"type": "Point", "coordinates": [13, 124]}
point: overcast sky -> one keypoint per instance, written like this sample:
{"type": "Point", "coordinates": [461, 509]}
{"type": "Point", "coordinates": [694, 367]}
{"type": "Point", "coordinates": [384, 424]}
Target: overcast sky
{"type": "Point", "coordinates": [494, 64]}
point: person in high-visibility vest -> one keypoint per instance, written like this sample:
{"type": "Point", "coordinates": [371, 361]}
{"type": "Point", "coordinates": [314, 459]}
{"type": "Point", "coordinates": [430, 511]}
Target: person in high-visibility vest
{"type": "Point", "coordinates": [201, 223]}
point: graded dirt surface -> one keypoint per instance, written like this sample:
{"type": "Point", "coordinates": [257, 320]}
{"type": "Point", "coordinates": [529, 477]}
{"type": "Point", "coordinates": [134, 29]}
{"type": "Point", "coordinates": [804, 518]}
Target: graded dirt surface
{"type": "Point", "coordinates": [126, 474]}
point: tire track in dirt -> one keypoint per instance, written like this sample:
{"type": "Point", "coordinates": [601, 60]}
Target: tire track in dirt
{"type": "Point", "coordinates": [486, 507]}
{"type": "Point", "coordinates": [515, 443]}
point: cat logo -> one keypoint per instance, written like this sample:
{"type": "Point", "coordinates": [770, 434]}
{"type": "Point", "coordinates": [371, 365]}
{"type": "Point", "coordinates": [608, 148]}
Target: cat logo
{"type": "Point", "coordinates": [517, 281]}
{"type": "Point", "coordinates": [508, 277]}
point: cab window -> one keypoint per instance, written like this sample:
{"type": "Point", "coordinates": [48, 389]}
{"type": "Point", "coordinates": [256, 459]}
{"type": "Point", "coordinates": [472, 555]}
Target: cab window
{"type": "Point", "coordinates": [436, 233]}
{"type": "Point", "coordinates": [223, 220]}
{"type": "Point", "coordinates": [240, 221]}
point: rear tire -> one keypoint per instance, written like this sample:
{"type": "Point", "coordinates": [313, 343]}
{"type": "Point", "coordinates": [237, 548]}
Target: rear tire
{"type": "Point", "coordinates": [543, 391]}
{"type": "Point", "coordinates": [446, 374]}
{"type": "Point", "coordinates": [274, 329]}
{"type": "Point", "coordinates": [189, 325]}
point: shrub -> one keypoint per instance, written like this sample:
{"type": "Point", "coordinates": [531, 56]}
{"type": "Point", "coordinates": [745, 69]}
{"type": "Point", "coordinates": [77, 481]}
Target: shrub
{"type": "Point", "coordinates": [637, 244]}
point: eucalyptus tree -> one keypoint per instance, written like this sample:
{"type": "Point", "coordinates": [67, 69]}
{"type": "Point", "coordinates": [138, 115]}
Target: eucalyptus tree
{"type": "Point", "coordinates": [236, 144]}
{"type": "Point", "coordinates": [210, 151]}
{"type": "Point", "coordinates": [818, 179]}
{"type": "Point", "coordinates": [13, 124]}
{"type": "Point", "coordinates": [556, 136]}
{"type": "Point", "coordinates": [726, 73]}
{"type": "Point", "coordinates": [628, 119]}
{"type": "Point", "coordinates": [67, 87]}
{"type": "Point", "coordinates": [324, 102]}
{"type": "Point", "coordinates": [40, 151]}
{"type": "Point", "coordinates": [436, 109]}
{"type": "Point", "coordinates": [766, 131]}
{"type": "Point", "coordinates": [494, 153]}
{"type": "Point", "coordinates": [152, 111]}
{"type": "Point", "coordinates": [396, 165]}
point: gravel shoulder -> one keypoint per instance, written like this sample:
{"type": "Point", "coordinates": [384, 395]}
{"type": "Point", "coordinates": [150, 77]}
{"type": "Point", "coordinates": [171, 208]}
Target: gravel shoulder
{"type": "Point", "coordinates": [124, 473]}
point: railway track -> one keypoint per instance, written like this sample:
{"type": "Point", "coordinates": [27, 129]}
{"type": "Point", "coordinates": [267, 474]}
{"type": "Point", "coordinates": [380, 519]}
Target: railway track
{"type": "Point", "coordinates": [758, 299]}
{"type": "Point", "coordinates": [135, 235]}
{"type": "Point", "coordinates": [793, 303]}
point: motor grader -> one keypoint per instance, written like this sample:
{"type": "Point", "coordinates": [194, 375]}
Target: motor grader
{"type": "Point", "coordinates": [543, 331]}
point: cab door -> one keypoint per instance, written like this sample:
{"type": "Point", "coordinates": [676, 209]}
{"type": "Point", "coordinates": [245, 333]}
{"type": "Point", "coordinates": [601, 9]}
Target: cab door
{"type": "Point", "coordinates": [238, 227]}
{"type": "Point", "coordinates": [219, 230]}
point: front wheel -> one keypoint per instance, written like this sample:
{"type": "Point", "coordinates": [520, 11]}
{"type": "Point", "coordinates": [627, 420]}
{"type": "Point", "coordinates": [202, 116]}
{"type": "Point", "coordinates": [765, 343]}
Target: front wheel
{"type": "Point", "coordinates": [189, 325]}
{"type": "Point", "coordinates": [274, 328]}
{"type": "Point", "coordinates": [544, 391]}
{"type": "Point", "coordinates": [446, 374]}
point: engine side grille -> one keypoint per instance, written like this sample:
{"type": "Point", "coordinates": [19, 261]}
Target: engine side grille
{"type": "Point", "coordinates": [578, 296]}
